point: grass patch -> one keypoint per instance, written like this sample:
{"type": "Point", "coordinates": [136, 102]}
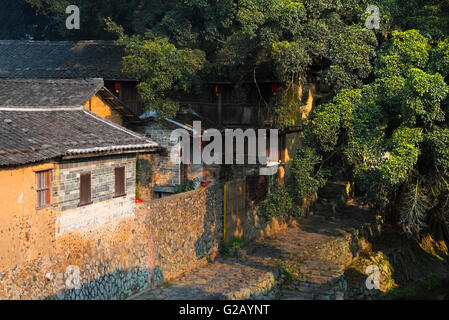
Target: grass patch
{"type": "Point", "coordinates": [291, 271]}
{"type": "Point", "coordinates": [228, 250]}
{"type": "Point", "coordinates": [427, 289]}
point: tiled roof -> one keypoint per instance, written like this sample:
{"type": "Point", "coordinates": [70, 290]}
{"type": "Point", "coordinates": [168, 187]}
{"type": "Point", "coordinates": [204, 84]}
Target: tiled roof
{"type": "Point", "coordinates": [61, 59]}
{"type": "Point", "coordinates": [36, 134]}
{"type": "Point", "coordinates": [48, 92]}
{"type": "Point", "coordinates": [37, 93]}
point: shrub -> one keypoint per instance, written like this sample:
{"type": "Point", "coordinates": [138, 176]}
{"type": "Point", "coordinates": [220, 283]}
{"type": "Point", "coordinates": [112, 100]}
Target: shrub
{"type": "Point", "coordinates": [278, 203]}
{"type": "Point", "coordinates": [185, 186]}
{"type": "Point", "coordinates": [229, 249]}
{"type": "Point", "coordinates": [307, 179]}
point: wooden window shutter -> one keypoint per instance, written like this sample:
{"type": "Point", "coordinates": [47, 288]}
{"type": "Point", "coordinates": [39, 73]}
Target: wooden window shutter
{"type": "Point", "coordinates": [47, 193]}
{"type": "Point", "coordinates": [119, 181]}
{"type": "Point", "coordinates": [43, 189]}
{"type": "Point", "coordinates": [85, 188]}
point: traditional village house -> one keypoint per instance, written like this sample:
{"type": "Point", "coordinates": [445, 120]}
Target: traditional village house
{"type": "Point", "coordinates": [171, 175]}
{"type": "Point", "coordinates": [70, 60]}
{"type": "Point", "coordinates": [113, 96]}
{"type": "Point", "coordinates": [95, 97]}
{"type": "Point", "coordinates": [57, 157]}
{"type": "Point", "coordinates": [62, 168]}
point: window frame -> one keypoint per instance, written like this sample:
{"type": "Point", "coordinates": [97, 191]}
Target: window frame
{"type": "Point", "coordinates": [47, 189]}
{"type": "Point", "coordinates": [90, 189]}
{"type": "Point", "coordinates": [122, 194]}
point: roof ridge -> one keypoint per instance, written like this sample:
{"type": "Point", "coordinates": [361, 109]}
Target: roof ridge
{"type": "Point", "coordinates": [50, 79]}
{"type": "Point", "coordinates": [40, 108]}
{"type": "Point", "coordinates": [116, 126]}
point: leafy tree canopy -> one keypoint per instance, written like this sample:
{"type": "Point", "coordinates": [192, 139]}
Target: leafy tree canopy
{"type": "Point", "coordinates": [390, 133]}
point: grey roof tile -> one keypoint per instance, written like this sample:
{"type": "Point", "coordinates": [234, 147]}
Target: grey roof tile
{"type": "Point", "coordinates": [32, 135]}
{"type": "Point", "coordinates": [48, 92]}
{"type": "Point", "coordinates": [61, 59]}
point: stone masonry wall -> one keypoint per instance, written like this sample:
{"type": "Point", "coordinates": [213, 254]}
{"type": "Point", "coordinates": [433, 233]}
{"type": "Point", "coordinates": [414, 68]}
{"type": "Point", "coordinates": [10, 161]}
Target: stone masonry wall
{"type": "Point", "coordinates": [105, 207]}
{"type": "Point", "coordinates": [184, 231]}
{"type": "Point", "coordinates": [167, 173]}
{"type": "Point", "coordinates": [67, 189]}
{"type": "Point", "coordinates": [121, 252]}
{"type": "Point", "coordinates": [116, 258]}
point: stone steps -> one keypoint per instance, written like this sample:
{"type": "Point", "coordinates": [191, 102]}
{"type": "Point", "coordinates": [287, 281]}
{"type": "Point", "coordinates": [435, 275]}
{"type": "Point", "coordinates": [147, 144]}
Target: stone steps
{"type": "Point", "coordinates": [316, 252]}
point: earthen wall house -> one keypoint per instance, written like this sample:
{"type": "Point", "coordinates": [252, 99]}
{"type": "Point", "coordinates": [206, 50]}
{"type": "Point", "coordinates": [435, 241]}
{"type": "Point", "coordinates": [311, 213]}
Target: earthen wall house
{"type": "Point", "coordinates": [67, 185]}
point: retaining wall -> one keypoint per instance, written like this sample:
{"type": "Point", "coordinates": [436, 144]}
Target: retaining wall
{"type": "Point", "coordinates": [119, 257]}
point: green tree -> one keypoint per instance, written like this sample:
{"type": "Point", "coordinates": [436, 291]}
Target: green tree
{"type": "Point", "coordinates": [164, 72]}
{"type": "Point", "coordinates": [390, 133]}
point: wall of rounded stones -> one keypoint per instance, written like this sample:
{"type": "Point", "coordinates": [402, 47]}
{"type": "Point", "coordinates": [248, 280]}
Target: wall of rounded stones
{"type": "Point", "coordinates": [109, 262]}
{"type": "Point", "coordinates": [184, 231]}
{"type": "Point", "coordinates": [163, 239]}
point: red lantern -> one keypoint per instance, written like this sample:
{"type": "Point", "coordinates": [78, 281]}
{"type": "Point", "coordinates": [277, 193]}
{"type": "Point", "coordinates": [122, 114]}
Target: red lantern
{"type": "Point", "coordinates": [117, 86]}
{"type": "Point", "coordinates": [217, 89]}
{"type": "Point", "coordinates": [274, 87]}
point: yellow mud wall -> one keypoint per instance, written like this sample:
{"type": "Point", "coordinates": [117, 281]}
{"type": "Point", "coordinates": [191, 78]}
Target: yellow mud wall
{"type": "Point", "coordinates": [292, 144]}
{"type": "Point", "coordinates": [307, 94]}
{"type": "Point", "coordinates": [100, 108]}
{"type": "Point", "coordinates": [37, 262]}
{"type": "Point", "coordinates": [25, 232]}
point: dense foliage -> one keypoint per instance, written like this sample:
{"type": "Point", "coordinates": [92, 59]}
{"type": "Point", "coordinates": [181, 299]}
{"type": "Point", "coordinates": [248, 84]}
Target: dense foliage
{"type": "Point", "coordinates": [386, 132]}
{"type": "Point", "coordinates": [278, 203]}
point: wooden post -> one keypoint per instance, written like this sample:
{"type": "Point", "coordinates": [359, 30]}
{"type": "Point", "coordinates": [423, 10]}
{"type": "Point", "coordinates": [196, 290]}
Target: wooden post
{"type": "Point", "coordinates": [224, 215]}
{"type": "Point", "coordinates": [219, 110]}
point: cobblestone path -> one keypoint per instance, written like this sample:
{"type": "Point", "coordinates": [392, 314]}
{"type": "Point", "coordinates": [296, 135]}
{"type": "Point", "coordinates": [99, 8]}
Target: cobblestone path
{"type": "Point", "coordinates": [306, 261]}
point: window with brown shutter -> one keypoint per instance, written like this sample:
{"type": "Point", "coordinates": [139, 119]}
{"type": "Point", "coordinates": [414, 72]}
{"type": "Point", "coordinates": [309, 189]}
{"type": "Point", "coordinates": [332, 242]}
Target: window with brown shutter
{"type": "Point", "coordinates": [43, 183]}
{"type": "Point", "coordinates": [85, 189]}
{"type": "Point", "coordinates": [120, 182]}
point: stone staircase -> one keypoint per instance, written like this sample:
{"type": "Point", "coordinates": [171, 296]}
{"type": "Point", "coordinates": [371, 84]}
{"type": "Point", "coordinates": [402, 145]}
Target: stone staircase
{"type": "Point", "coordinates": [305, 262]}
{"type": "Point", "coordinates": [344, 219]}
{"type": "Point", "coordinates": [331, 199]}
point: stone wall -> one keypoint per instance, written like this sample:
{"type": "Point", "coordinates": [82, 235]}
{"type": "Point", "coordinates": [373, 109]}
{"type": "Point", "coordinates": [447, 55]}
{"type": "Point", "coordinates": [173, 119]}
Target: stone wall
{"type": "Point", "coordinates": [163, 171]}
{"type": "Point", "coordinates": [116, 258]}
{"type": "Point", "coordinates": [184, 229]}
{"type": "Point", "coordinates": [121, 252]}
{"type": "Point", "coordinates": [167, 173]}
{"type": "Point", "coordinates": [105, 207]}
{"type": "Point", "coordinates": [67, 186]}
